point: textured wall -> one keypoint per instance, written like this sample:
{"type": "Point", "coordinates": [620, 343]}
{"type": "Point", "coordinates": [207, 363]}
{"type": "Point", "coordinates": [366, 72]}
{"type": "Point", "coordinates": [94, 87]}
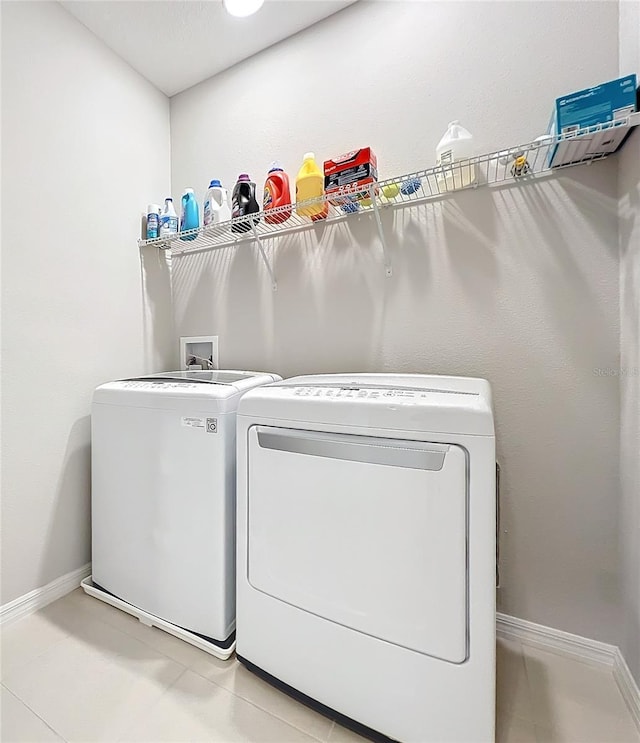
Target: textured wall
{"type": "Point", "coordinates": [629, 213]}
{"type": "Point", "coordinates": [518, 285]}
{"type": "Point", "coordinates": [85, 145]}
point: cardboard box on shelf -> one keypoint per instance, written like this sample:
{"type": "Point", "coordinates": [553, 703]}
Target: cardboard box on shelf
{"type": "Point", "coordinates": [584, 113]}
{"type": "Point", "coordinates": [348, 177]}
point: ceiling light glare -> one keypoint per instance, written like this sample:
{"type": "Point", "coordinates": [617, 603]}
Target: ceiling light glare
{"type": "Point", "coordinates": [242, 8]}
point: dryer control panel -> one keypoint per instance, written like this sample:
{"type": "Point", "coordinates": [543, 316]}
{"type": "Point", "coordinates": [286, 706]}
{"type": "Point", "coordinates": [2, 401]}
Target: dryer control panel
{"type": "Point", "coordinates": [369, 392]}
{"type": "Point", "coordinates": [398, 402]}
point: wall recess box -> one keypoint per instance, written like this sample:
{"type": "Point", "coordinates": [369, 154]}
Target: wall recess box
{"type": "Point", "coordinates": [199, 352]}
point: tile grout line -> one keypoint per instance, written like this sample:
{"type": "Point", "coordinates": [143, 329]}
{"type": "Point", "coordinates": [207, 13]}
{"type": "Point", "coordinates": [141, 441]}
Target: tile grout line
{"type": "Point", "coordinates": [106, 658]}
{"type": "Point", "coordinates": [144, 642]}
{"type": "Point", "coordinates": [534, 722]}
{"type": "Point", "coordinates": [15, 696]}
{"type": "Point", "coordinates": [87, 616]}
{"type": "Point", "coordinates": [266, 711]}
{"type": "Point", "coordinates": [512, 714]}
{"type": "Point", "coordinates": [136, 718]}
{"type": "Point", "coordinates": [540, 726]}
{"type": "Point", "coordinates": [18, 666]}
{"type": "Point", "coordinates": [331, 729]}
{"type": "Point", "coordinates": [186, 669]}
{"type": "Point", "coordinates": [280, 719]}
{"type": "Point", "coordinates": [628, 687]}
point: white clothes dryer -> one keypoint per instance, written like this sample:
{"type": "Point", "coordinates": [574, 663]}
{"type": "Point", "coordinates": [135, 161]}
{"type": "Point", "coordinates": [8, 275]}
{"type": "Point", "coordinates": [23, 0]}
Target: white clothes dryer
{"type": "Point", "coordinates": [163, 500]}
{"type": "Point", "coordinates": [366, 538]}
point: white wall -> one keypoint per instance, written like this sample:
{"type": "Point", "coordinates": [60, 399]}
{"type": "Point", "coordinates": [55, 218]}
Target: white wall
{"type": "Point", "coordinates": [629, 218]}
{"type": "Point", "coordinates": [85, 146]}
{"type": "Point", "coordinates": [519, 285]}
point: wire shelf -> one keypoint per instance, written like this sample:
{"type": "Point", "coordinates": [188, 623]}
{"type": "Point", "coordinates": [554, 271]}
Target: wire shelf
{"type": "Point", "coordinates": [519, 165]}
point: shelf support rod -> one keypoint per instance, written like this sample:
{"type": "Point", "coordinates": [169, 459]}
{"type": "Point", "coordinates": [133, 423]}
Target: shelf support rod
{"type": "Point", "coordinates": [258, 241]}
{"type": "Point", "coordinates": [388, 270]}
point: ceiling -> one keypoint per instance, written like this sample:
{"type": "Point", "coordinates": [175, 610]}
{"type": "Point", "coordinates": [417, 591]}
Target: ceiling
{"type": "Point", "coordinates": [176, 44]}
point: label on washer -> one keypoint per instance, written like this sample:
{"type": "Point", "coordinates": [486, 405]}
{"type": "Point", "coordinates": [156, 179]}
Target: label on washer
{"type": "Point", "coordinates": [210, 425]}
{"type": "Point", "coordinates": [193, 422]}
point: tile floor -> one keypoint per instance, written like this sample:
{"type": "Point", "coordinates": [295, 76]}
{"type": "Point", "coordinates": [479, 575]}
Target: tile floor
{"type": "Point", "coordinates": [80, 670]}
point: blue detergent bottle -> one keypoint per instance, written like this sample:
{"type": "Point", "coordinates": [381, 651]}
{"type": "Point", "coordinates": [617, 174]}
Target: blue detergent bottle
{"type": "Point", "coordinates": [190, 219]}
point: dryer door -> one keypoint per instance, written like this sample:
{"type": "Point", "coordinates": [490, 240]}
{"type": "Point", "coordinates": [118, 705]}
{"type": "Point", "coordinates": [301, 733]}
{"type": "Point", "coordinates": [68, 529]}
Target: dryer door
{"type": "Point", "coordinates": [366, 532]}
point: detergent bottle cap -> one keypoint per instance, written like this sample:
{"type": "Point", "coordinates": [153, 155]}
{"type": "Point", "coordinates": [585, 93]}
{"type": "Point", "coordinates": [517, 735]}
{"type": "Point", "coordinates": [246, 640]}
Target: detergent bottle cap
{"type": "Point", "coordinates": [168, 199]}
{"type": "Point", "coordinates": [244, 177]}
{"type": "Point", "coordinates": [309, 156]}
{"type": "Point", "coordinates": [275, 165]}
{"type": "Point", "coordinates": [215, 183]}
{"type": "Point", "coordinates": [454, 123]}
{"type": "Point", "coordinates": [188, 191]}
{"type": "Point", "coordinates": [153, 209]}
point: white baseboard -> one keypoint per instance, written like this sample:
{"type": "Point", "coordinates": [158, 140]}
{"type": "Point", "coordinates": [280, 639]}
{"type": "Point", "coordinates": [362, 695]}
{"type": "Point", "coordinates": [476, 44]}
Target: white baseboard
{"type": "Point", "coordinates": [547, 638]}
{"type": "Point", "coordinates": [40, 597]}
{"type": "Point", "coordinates": [628, 686]}
{"type": "Point", "coordinates": [577, 648]}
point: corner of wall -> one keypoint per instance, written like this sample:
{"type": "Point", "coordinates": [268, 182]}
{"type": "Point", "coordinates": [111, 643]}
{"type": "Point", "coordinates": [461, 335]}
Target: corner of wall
{"type": "Point", "coordinates": [629, 248]}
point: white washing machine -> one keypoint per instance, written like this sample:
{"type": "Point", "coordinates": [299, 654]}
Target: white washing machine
{"type": "Point", "coordinates": [366, 533]}
{"type": "Point", "coordinates": [163, 501]}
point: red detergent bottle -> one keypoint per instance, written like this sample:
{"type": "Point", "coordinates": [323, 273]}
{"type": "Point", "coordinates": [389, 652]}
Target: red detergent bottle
{"type": "Point", "coordinates": [276, 193]}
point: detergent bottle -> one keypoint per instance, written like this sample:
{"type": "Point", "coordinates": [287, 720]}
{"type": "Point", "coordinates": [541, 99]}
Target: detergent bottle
{"type": "Point", "coordinates": [310, 185]}
{"type": "Point", "coordinates": [168, 219]}
{"type": "Point", "coordinates": [453, 154]}
{"type": "Point", "coordinates": [153, 221]}
{"type": "Point", "coordinates": [190, 214]}
{"type": "Point", "coordinates": [216, 204]}
{"type": "Point", "coordinates": [243, 202]}
{"type": "Point", "coordinates": [276, 193]}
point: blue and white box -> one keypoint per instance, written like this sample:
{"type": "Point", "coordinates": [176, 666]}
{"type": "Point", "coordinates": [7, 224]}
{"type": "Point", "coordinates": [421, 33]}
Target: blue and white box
{"type": "Point", "coordinates": [596, 117]}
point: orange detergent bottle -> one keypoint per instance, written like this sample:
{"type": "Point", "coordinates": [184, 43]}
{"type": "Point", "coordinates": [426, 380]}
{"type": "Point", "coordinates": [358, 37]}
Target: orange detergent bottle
{"type": "Point", "coordinates": [276, 193]}
{"type": "Point", "coordinates": [310, 185]}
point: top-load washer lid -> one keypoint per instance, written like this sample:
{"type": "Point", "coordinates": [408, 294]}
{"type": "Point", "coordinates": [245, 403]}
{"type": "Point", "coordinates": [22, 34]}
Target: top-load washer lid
{"type": "Point", "coordinates": [221, 388]}
{"type": "Point", "coordinates": [402, 402]}
{"type": "Point", "coordinates": [213, 376]}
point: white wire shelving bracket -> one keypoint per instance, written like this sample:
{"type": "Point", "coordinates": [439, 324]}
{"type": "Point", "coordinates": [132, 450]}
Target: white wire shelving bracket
{"type": "Point", "coordinates": [520, 165]}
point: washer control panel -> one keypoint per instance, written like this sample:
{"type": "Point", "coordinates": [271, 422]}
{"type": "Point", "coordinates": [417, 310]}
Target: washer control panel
{"type": "Point", "coordinates": [151, 385]}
